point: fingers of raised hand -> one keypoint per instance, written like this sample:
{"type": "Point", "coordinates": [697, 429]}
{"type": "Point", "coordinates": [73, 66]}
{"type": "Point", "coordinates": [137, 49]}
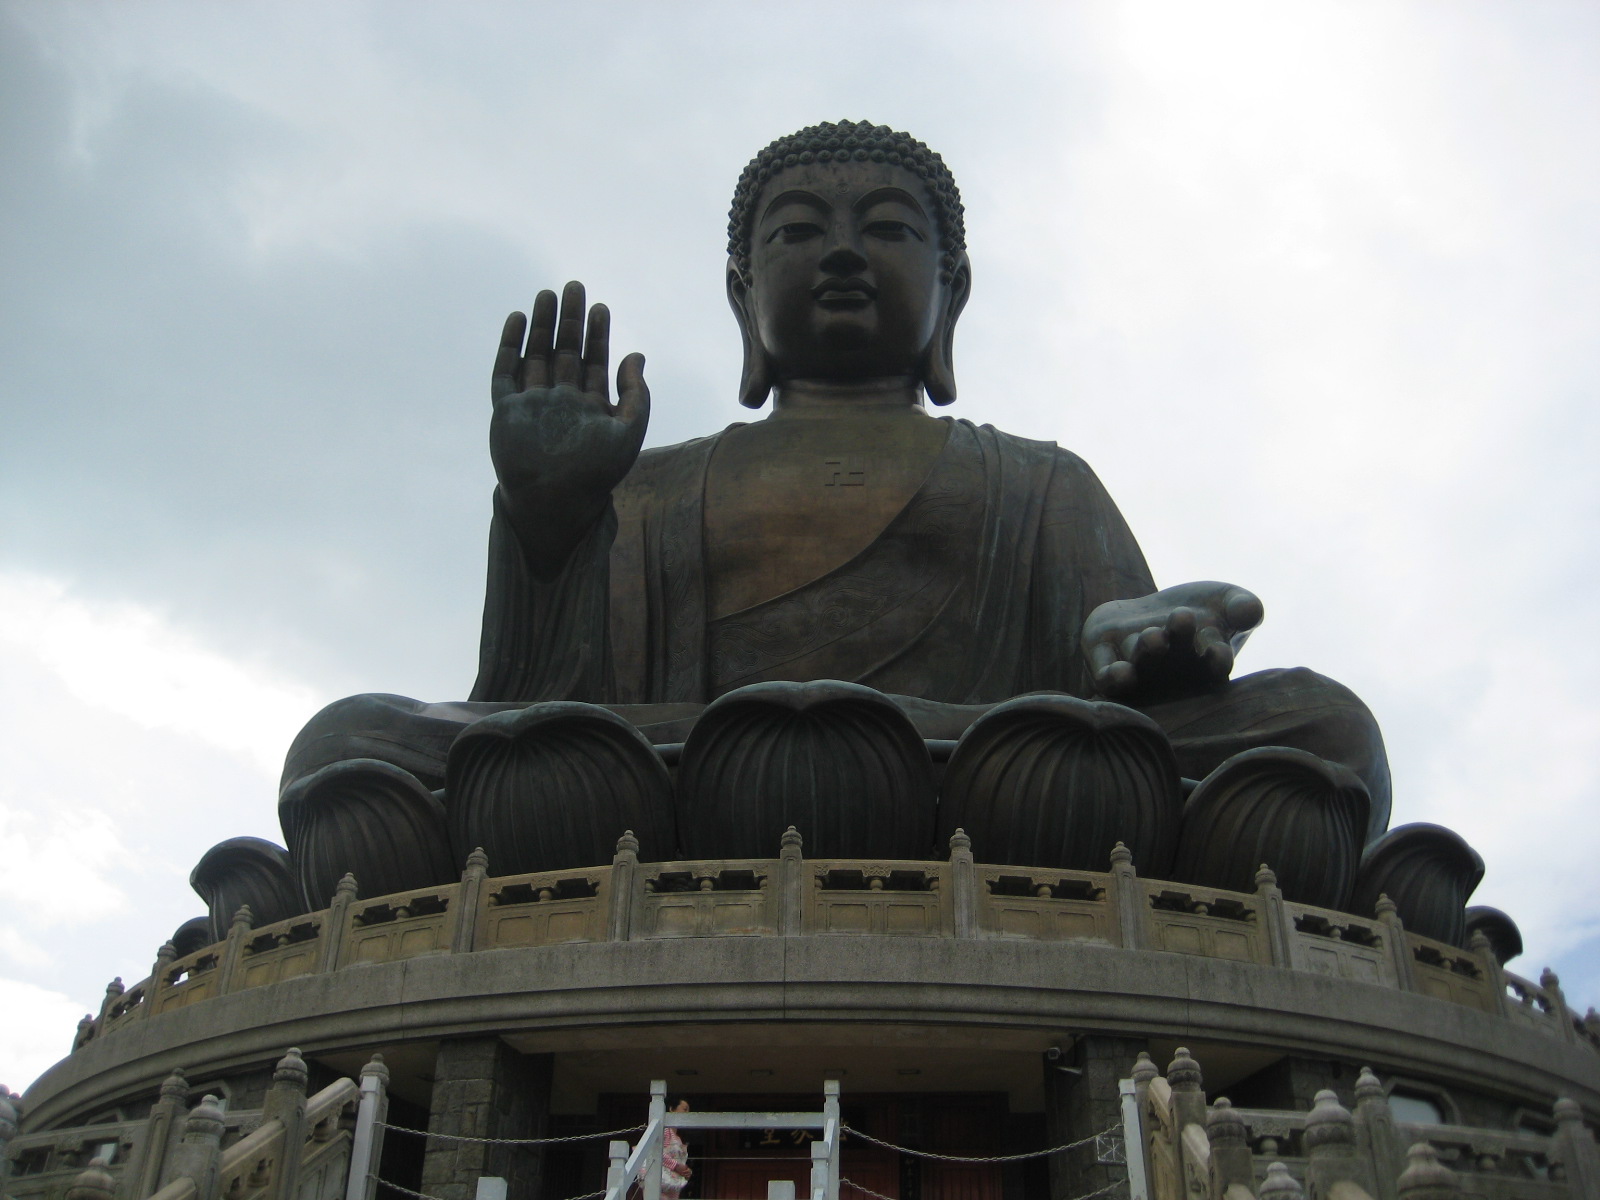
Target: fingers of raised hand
{"type": "Point", "coordinates": [568, 363]}
{"type": "Point", "coordinates": [508, 358]}
{"type": "Point", "coordinates": [633, 394]}
{"type": "Point", "coordinates": [1182, 623]}
{"type": "Point", "coordinates": [597, 353]}
{"type": "Point", "coordinates": [541, 327]}
{"type": "Point", "coordinates": [1146, 646]}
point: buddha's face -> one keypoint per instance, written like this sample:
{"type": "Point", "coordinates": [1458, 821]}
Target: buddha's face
{"type": "Point", "coordinates": [844, 271]}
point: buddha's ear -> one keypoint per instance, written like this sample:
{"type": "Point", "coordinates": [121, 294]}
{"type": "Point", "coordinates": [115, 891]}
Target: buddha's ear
{"type": "Point", "coordinates": [755, 379]}
{"type": "Point", "coordinates": [938, 368]}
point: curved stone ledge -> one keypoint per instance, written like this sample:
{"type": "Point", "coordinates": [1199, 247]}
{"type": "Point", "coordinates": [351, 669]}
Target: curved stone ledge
{"type": "Point", "coordinates": [1062, 987]}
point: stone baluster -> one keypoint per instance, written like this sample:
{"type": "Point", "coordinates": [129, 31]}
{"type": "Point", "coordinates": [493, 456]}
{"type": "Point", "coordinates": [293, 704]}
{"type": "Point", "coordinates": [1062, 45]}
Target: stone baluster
{"type": "Point", "coordinates": [94, 1182]}
{"type": "Point", "coordinates": [1280, 1185]}
{"type": "Point", "coordinates": [1575, 1147]}
{"type": "Point", "coordinates": [469, 899]}
{"type": "Point", "coordinates": [160, 1132]}
{"type": "Point", "coordinates": [1376, 1135]}
{"type": "Point", "coordinates": [1188, 1092]}
{"type": "Point", "coordinates": [114, 991]}
{"type": "Point", "coordinates": [1483, 951]}
{"type": "Point", "coordinates": [165, 957]}
{"type": "Point", "coordinates": [625, 884]}
{"type": "Point", "coordinates": [1551, 983]}
{"type": "Point", "coordinates": [1394, 933]}
{"type": "Point", "coordinates": [1144, 1071]}
{"type": "Point", "coordinates": [1330, 1141]}
{"type": "Point", "coordinates": [336, 925]}
{"type": "Point", "coordinates": [10, 1118]}
{"type": "Point", "coordinates": [1130, 897]}
{"type": "Point", "coordinates": [286, 1102]}
{"type": "Point", "coordinates": [197, 1154]}
{"type": "Point", "coordinates": [1426, 1178]}
{"type": "Point", "coordinates": [233, 948]}
{"type": "Point", "coordinates": [85, 1033]}
{"type": "Point", "coordinates": [791, 884]}
{"type": "Point", "coordinates": [1275, 917]}
{"type": "Point", "coordinates": [1231, 1161]}
{"type": "Point", "coordinates": [963, 886]}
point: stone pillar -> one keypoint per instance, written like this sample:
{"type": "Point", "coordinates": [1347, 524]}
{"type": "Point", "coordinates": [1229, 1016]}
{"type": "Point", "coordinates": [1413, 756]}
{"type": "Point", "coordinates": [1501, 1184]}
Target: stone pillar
{"type": "Point", "coordinates": [160, 1132]}
{"type": "Point", "coordinates": [963, 886]}
{"type": "Point", "coordinates": [463, 937]}
{"type": "Point", "coordinates": [1129, 893]}
{"type": "Point", "coordinates": [196, 1156]}
{"type": "Point", "coordinates": [1580, 1158]}
{"type": "Point", "coordinates": [1376, 1135]}
{"type": "Point", "coordinates": [624, 887]}
{"type": "Point", "coordinates": [1330, 1141]}
{"type": "Point", "coordinates": [286, 1102]}
{"type": "Point", "coordinates": [10, 1118]}
{"type": "Point", "coordinates": [1081, 1098]}
{"type": "Point", "coordinates": [484, 1089]}
{"type": "Point", "coordinates": [791, 884]}
{"type": "Point", "coordinates": [336, 925]}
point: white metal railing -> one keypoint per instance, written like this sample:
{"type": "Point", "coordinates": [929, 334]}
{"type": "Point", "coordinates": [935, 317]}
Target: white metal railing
{"type": "Point", "coordinates": [627, 1162]}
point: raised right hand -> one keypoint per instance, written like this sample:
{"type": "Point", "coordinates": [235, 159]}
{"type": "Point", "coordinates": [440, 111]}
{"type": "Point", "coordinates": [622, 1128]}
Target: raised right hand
{"type": "Point", "coordinates": [558, 443]}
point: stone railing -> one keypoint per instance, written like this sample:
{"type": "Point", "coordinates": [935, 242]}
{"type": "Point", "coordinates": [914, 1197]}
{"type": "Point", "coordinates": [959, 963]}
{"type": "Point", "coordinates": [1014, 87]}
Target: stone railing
{"type": "Point", "coordinates": [793, 895]}
{"type": "Point", "coordinates": [1192, 1149]}
{"type": "Point", "coordinates": [293, 1148]}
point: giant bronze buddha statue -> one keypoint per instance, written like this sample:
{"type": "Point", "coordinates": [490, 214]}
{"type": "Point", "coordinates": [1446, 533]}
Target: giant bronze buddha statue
{"type": "Point", "coordinates": [849, 616]}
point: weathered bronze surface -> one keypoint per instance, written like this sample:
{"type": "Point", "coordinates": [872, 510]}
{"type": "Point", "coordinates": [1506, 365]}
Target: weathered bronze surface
{"type": "Point", "coordinates": [849, 535]}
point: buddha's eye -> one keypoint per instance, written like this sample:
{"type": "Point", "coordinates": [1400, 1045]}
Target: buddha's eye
{"type": "Point", "coordinates": [893, 231]}
{"type": "Point", "coordinates": [795, 231]}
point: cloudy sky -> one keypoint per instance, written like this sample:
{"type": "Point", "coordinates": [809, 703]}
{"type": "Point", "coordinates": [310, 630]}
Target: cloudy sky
{"type": "Point", "coordinates": [1313, 287]}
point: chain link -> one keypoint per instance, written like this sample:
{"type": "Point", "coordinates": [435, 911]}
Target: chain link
{"type": "Point", "coordinates": [405, 1191]}
{"type": "Point", "coordinates": [553, 1141]}
{"type": "Point", "coordinates": [995, 1158]}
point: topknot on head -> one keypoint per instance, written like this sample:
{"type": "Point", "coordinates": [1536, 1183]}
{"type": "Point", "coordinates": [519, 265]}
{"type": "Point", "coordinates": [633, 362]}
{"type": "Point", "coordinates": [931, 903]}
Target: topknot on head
{"type": "Point", "coordinates": [846, 141]}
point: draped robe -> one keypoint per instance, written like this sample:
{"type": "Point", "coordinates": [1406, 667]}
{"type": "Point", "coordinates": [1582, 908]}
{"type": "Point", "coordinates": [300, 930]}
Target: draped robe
{"type": "Point", "coordinates": [974, 592]}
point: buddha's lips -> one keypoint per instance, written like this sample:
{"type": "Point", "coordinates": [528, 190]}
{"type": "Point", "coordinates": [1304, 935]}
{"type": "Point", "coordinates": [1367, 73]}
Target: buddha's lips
{"type": "Point", "coordinates": [844, 293]}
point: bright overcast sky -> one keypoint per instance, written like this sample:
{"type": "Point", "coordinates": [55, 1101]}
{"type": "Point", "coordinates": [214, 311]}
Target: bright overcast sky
{"type": "Point", "coordinates": [1312, 286]}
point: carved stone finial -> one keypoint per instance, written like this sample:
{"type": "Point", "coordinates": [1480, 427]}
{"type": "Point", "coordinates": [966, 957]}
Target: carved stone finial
{"type": "Point", "coordinates": [1567, 1111]}
{"type": "Point", "coordinates": [1549, 980]}
{"type": "Point", "coordinates": [94, 1182]}
{"type": "Point", "coordinates": [791, 838]}
{"type": "Point", "coordinates": [627, 843]}
{"type": "Point", "coordinates": [1385, 907]}
{"type": "Point", "coordinates": [1280, 1185]}
{"type": "Point", "coordinates": [1368, 1086]}
{"type": "Point", "coordinates": [1183, 1073]}
{"type": "Point", "coordinates": [205, 1119]}
{"type": "Point", "coordinates": [1425, 1177]}
{"type": "Point", "coordinates": [167, 953]}
{"type": "Point", "coordinates": [477, 860]}
{"type": "Point", "coordinates": [8, 1117]}
{"type": "Point", "coordinates": [175, 1086]}
{"type": "Point", "coordinates": [1479, 943]}
{"type": "Point", "coordinates": [1144, 1068]}
{"type": "Point", "coordinates": [291, 1069]}
{"type": "Point", "coordinates": [960, 841]}
{"type": "Point", "coordinates": [376, 1067]}
{"type": "Point", "coordinates": [1224, 1126]}
{"type": "Point", "coordinates": [115, 988]}
{"type": "Point", "coordinates": [1329, 1123]}
{"type": "Point", "coordinates": [242, 920]}
{"type": "Point", "coordinates": [1266, 877]}
{"type": "Point", "coordinates": [1121, 856]}
{"type": "Point", "coordinates": [346, 887]}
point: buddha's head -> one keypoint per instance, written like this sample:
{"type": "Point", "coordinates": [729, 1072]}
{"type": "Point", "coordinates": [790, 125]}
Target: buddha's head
{"type": "Point", "coordinates": [847, 261]}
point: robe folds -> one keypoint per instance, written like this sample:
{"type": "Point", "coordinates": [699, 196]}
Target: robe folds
{"type": "Point", "coordinates": [976, 591]}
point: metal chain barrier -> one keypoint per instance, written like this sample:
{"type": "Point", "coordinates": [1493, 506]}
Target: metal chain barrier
{"type": "Point", "coordinates": [404, 1191]}
{"type": "Point", "coordinates": [552, 1141]}
{"type": "Point", "coordinates": [986, 1158]}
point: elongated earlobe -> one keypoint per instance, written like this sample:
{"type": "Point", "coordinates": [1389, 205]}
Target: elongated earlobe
{"type": "Point", "coordinates": [938, 367]}
{"type": "Point", "coordinates": [755, 377]}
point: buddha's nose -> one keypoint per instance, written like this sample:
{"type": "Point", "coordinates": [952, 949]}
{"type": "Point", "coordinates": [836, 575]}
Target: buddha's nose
{"type": "Point", "coordinates": [844, 256]}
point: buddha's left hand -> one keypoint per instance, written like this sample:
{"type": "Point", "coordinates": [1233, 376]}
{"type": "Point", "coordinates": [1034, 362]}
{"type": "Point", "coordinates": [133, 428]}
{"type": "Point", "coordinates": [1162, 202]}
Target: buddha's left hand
{"type": "Point", "coordinates": [1177, 642]}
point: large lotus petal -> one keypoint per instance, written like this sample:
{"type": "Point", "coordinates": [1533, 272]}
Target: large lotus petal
{"type": "Point", "coordinates": [1301, 815]}
{"type": "Point", "coordinates": [246, 870]}
{"type": "Point", "coordinates": [1054, 781]}
{"type": "Point", "coordinates": [554, 785]}
{"type": "Point", "coordinates": [371, 819]}
{"type": "Point", "coordinates": [838, 761]}
{"type": "Point", "coordinates": [1428, 871]}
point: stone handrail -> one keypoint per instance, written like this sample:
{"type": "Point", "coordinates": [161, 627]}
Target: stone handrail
{"type": "Point", "coordinates": [628, 900]}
